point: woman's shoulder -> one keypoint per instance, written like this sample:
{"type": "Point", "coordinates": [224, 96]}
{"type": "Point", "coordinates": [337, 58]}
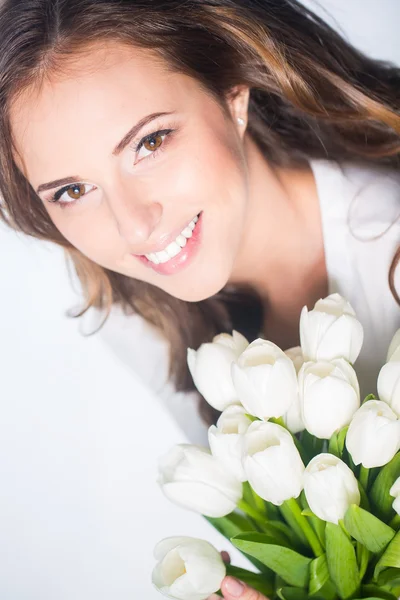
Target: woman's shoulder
{"type": "Point", "coordinates": [367, 196]}
{"type": "Point", "coordinates": [360, 214]}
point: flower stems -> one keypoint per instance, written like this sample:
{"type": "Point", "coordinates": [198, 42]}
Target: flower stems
{"type": "Point", "coordinates": [292, 511]}
{"type": "Point", "coordinates": [364, 476]}
{"type": "Point", "coordinates": [251, 512]}
{"type": "Point", "coordinates": [395, 523]}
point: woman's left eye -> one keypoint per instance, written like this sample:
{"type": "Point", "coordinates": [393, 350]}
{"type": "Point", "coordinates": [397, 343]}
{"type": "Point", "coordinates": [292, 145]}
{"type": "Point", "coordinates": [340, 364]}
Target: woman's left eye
{"type": "Point", "coordinates": [152, 143]}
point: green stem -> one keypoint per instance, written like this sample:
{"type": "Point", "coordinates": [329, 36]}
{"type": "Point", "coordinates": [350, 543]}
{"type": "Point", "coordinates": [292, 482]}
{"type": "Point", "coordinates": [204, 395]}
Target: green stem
{"type": "Point", "coordinates": [364, 476]}
{"type": "Point", "coordinates": [251, 512]}
{"type": "Point", "coordinates": [395, 522]}
{"type": "Point", "coordinates": [293, 507]}
{"type": "Point", "coordinates": [259, 504]}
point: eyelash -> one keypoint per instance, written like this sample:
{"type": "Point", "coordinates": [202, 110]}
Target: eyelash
{"type": "Point", "coordinates": [55, 198]}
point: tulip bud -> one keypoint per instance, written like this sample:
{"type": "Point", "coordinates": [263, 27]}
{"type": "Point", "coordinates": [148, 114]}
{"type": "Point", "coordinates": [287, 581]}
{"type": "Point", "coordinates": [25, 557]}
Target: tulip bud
{"type": "Point", "coordinates": [394, 348]}
{"type": "Point", "coordinates": [389, 384]}
{"type": "Point", "coordinates": [192, 478]}
{"type": "Point", "coordinates": [292, 418]}
{"type": "Point", "coordinates": [188, 568]}
{"type": "Point", "coordinates": [373, 437]}
{"type": "Point", "coordinates": [265, 380]}
{"type": "Point", "coordinates": [296, 356]}
{"type": "Point", "coordinates": [330, 487]}
{"type": "Point", "coordinates": [329, 396]}
{"type": "Point", "coordinates": [210, 367]}
{"type": "Point", "coordinates": [226, 439]}
{"type": "Point", "coordinates": [330, 330]}
{"type": "Point", "coordinates": [272, 462]}
{"type": "Point", "coordinates": [395, 492]}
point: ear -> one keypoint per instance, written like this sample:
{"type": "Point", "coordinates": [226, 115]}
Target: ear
{"type": "Point", "coordinates": [238, 103]}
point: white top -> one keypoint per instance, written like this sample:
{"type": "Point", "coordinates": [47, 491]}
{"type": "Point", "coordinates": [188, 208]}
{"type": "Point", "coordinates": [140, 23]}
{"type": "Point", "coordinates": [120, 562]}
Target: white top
{"type": "Point", "coordinates": [360, 210]}
{"type": "Point", "coordinates": [360, 213]}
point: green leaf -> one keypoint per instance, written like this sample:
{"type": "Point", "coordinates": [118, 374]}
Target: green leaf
{"type": "Point", "coordinates": [234, 524]}
{"type": "Point", "coordinates": [342, 562]}
{"type": "Point", "coordinates": [292, 593]}
{"type": "Point", "coordinates": [389, 577]}
{"type": "Point", "coordinates": [374, 591]}
{"type": "Point", "coordinates": [288, 564]}
{"type": "Point", "coordinates": [319, 574]}
{"type": "Point", "coordinates": [362, 559]}
{"type": "Point", "coordinates": [367, 529]}
{"type": "Point", "coordinates": [390, 558]}
{"type": "Point", "coordinates": [337, 441]}
{"type": "Point", "coordinates": [256, 581]}
{"type": "Point", "coordinates": [380, 498]}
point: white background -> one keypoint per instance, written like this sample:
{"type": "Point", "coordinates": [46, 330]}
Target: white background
{"type": "Point", "coordinates": [80, 433]}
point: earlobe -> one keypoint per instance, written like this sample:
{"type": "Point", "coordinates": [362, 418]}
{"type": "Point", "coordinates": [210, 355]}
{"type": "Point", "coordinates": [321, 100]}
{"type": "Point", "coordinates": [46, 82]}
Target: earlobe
{"type": "Point", "coordinates": [238, 101]}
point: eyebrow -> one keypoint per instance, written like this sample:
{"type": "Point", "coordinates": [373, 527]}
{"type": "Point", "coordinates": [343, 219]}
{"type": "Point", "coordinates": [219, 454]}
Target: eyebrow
{"type": "Point", "coordinates": [117, 150]}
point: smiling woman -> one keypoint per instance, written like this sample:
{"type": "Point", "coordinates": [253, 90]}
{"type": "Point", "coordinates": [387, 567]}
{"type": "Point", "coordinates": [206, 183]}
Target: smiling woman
{"type": "Point", "coordinates": [207, 164]}
{"type": "Point", "coordinates": [198, 162]}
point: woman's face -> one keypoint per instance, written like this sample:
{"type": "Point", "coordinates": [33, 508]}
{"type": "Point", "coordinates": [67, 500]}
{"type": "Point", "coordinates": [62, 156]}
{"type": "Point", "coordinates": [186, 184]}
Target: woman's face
{"type": "Point", "coordinates": [138, 168]}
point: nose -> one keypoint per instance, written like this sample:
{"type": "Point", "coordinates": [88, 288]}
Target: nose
{"type": "Point", "coordinates": [136, 219]}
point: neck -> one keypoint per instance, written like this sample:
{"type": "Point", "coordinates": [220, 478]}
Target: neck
{"type": "Point", "coordinates": [281, 253]}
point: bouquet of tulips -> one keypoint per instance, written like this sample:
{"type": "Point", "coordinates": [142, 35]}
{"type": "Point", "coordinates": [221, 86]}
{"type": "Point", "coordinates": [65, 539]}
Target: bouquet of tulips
{"type": "Point", "coordinates": [301, 476]}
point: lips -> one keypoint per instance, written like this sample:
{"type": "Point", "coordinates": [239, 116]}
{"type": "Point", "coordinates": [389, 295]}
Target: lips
{"type": "Point", "coordinates": [173, 265]}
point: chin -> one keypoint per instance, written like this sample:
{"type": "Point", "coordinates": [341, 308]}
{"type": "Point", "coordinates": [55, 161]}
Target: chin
{"type": "Point", "coordinates": [202, 288]}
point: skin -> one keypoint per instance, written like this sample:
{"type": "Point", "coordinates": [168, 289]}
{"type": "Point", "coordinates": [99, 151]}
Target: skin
{"type": "Point", "coordinates": [262, 224]}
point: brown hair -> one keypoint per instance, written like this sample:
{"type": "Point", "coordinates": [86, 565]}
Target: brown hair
{"type": "Point", "coordinates": [311, 95]}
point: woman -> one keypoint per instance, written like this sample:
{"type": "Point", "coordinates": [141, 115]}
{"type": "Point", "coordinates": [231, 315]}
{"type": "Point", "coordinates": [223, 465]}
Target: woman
{"type": "Point", "coordinates": [274, 182]}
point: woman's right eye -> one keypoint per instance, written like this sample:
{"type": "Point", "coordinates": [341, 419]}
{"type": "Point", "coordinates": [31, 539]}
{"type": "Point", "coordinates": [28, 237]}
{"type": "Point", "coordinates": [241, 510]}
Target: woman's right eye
{"type": "Point", "coordinates": [70, 194]}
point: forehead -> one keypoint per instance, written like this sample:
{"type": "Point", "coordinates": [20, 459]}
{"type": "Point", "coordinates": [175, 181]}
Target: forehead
{"type": "Point", "coordinates": [97, 96]}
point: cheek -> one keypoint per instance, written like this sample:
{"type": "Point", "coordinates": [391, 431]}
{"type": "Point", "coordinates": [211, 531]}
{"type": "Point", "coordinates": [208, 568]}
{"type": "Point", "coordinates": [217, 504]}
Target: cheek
{"type": "Point", "coordinates": [90, 232]}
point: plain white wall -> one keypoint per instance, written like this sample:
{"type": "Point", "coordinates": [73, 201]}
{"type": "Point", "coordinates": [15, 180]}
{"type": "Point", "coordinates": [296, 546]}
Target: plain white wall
{"type": "Point", "coordinates": [80, 433]}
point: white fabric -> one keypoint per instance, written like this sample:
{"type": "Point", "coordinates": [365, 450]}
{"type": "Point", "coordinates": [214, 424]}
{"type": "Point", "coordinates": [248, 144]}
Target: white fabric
{"type": "Point", "coordinates": [360, 213]}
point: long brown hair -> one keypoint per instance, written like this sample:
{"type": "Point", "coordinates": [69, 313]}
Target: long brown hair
{"type": "Point", "coordinates": [311, 95]}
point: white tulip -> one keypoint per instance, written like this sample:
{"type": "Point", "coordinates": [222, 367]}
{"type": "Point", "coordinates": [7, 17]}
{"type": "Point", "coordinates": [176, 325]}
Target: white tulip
{"type": "Point", "coordinates": [395, 492]}
{"type": "Point", "coordinates": [330, 487]}
{"type": "Point", "coordinates": [296, 356]}
{"type": "Point", "coordinates": [192, 478]}
{"type": "Point", "coordinates": [272, 462]}
{"type": "Point", "coordinates": [394, 348]}
{"type": "Point", "coordinates": [265, 380]}
{"type": "Point", "coordinates": [329, 396]}
{"type": "Point", "coordinates": [389, 384]}
{"type": "Point", "coordinates": [188, 568]}
{"type": "Point", "coordinates": [226, 439]}
{"type": "Point", "coordinates": [210, 367]}
{"type": "Point", "coordinates": [373, 437]}
{"type": "Point", "coordinates": [330, 330]}
{"type": "Point", "coordinates": [292, 418]}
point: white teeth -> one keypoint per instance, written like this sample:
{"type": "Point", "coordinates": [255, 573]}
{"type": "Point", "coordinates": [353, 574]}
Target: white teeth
{"type": "Point", "coordinates": [181, 240]}
{"type": "Point", "coordinates": [187, 232]}
{"type": "Point", "coordinates": [162, 256]}
{"type": "Point", "coordinates": [175, 247]}
{"type": "Point", "coordinates": [153, 258]}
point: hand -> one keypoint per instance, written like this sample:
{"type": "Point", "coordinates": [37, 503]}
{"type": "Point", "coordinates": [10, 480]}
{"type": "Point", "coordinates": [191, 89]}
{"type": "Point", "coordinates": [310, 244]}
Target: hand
{"type": "Point", "coordinates": [233, 589]}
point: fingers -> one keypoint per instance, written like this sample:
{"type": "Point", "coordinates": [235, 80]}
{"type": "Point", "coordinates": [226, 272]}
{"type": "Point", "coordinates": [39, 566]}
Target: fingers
{"type": "Point", "coordinates": [225, 557]}
{"type": "Point", "coordinates": [233, 589]}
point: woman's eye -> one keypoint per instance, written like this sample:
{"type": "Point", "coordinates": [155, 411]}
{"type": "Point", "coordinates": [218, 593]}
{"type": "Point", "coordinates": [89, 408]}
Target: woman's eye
{"type": "Point", "coordinates": [152, 143]}
{"type": "Point", "coordinates": [72, 193]}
